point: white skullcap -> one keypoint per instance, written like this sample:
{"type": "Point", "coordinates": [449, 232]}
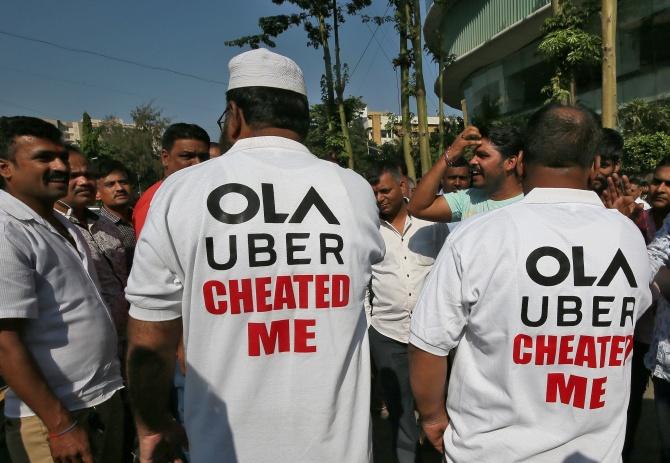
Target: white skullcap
{"type": "Point", "coordinates": [263, 68]}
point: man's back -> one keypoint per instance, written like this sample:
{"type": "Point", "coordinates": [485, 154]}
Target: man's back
{"type": "Point", "coordinates": [273, 247]}
{"type": "Point", "coordinates": [551, 289]}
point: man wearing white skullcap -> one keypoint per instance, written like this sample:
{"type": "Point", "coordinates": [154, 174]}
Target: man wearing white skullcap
{"type": "Point", "coordinates": [258, 258]}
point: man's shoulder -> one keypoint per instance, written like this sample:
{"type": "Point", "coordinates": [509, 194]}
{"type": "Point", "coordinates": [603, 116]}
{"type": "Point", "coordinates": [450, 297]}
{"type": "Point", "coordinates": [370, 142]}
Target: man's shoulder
{"type": "Point", "coordinates": [145, 198]}
{"type": "Point", "coordinates": [10, 227]}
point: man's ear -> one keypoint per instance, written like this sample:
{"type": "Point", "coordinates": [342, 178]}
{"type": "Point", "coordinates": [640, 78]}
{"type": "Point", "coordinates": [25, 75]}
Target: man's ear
{"type": "Point", "coordinates": [6, 169]}
{"type": "Point", "coordinates": [520, 167]}
{"type": "Point", "coordinates": [617, 167]}
{"type": "Point", "coordinates": [235, 122]}
{"type": "Point", "coordinates": [164, 157]}
{"type": "Point", "coordinates": [595, 167]}
{"type": "Point", "coordinates": [511, 162]}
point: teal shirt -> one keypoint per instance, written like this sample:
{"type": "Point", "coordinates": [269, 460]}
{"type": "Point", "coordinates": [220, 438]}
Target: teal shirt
{"type": "Point", "coordinates": [473, 201]}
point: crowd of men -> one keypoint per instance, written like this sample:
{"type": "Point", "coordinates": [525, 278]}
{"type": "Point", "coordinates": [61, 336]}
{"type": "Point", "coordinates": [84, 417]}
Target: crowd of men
{"type": "Point", "coordinates": [506, 308]}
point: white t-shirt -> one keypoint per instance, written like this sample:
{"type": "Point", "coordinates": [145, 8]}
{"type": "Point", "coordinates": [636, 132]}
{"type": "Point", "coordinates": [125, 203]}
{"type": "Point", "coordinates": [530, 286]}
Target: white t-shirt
{"type": "Point", "coordinates": [530, 384]}
{"type": "Point", "coordinates": [265, 253]}
{"type": "Point", "coordinates": [68, 329]}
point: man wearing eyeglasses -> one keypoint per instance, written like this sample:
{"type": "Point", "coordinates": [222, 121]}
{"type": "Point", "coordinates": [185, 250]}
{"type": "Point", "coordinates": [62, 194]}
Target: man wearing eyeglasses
{"type": "Point", "coordinates": [260, 258]}
{"type": "Point", "coordinates": [183, 145]}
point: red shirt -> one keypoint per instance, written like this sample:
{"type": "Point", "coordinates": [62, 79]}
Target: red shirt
{"type": "Point", "coordinates": [142, 207]}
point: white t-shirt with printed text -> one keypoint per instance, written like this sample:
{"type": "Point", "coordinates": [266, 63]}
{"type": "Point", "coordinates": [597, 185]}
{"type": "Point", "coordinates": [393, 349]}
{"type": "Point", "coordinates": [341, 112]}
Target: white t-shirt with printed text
{"type": "Point", "coordinates": [531, 382]}
{"type": "Point", "coordinates": [265, 253]}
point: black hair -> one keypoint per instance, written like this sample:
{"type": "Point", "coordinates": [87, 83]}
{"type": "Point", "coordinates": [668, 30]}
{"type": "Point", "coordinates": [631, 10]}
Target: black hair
{"type": "Point", "coordinates": [665, 162]}
{"type": "Point", "coordinates": [375, 172]}
{"type": "Point", "coordinates": [16, 126]}
{"type": "Point", "coordinates": [506, 138]}
{"type": "Point", "coordinates": [611, 145]}
{"type": "Point", "coordinates": [562, 136]}
{"type": "Point", "coordinates": [459, 162]}
{"type": "Point", "coordinates": [183, 131]}
{"type": "Point", "coordinates": [72, 147]}
{"type": "Point", "coordinates": [272, 107]}
{"type": "Point", "coordinates": [106, 166]}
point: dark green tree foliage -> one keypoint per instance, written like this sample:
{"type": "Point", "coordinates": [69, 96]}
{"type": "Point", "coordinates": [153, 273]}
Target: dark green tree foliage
{"type": "Point", "coordinates": [569, 47]}
{"type": "Point", "coordinates": [326, 144]}
{"type": "Point", "coordinates": [136, 147]}
{"type": "Point", "coordinates": [646, 131]}
{"type": "Point", "coordinates": [89, 137]}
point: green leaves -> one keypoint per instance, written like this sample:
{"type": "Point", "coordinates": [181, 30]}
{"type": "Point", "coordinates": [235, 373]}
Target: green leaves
{"type": "Point", "coordinates": [643, 151]}
{"type": "Point", "coordinates": [642, 117]}
{"type": "Point", "coordinates": [646, 131]}
{"type": "Point", "coordinates": [569, 47]}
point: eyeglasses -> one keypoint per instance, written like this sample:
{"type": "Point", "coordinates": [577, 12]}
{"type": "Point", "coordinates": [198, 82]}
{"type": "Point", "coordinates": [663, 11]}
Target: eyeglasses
{"type": "Point", "coordinates": [659, 182]}
{"type": "Point", "coordinates": [222, 119]}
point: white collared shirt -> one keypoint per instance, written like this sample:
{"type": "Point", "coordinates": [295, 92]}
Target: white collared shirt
{"type": "Point", "coordinates": [398, 279]}
{"type": "Point", "coordinates": [51, 284]}
{"type": "Point", "coordinates": [271, 299]}
{"type": "Point", "coordinates": [530, 384]}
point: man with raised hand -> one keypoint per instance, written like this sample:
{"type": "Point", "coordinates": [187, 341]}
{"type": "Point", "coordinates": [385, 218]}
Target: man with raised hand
{"type": "Point", "coordinates": [495, 153]}
{"type": "Point", "coordinates": [261, 258]}
{"type": "Point", "coordinates": [541, 298]}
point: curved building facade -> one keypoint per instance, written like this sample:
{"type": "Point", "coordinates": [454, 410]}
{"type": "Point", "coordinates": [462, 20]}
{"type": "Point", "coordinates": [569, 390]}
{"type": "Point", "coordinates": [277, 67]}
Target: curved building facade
{"type": "Point", "coordinates": [497, 68]}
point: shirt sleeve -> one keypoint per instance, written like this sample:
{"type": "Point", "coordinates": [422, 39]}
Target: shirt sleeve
{"type": "Point", "coordinates": [456, 203]}
{"type": "Point", "coordinates": [441, 313]}
{"type": "Point", "coordinates": [659, 249]}
{"type": "Point", "coordinates": [154, 288]}
{"type": "Point", "coordinates": [18, 294]}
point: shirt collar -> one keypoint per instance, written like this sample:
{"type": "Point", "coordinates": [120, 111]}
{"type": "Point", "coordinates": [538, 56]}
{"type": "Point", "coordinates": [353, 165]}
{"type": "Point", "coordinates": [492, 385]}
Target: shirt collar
{"type": "Point", "coordinates": [263, 142]}
{"type": "Point", "coordinates": [17, 208]}
{"type": "Point", "coordinates": [110, 215]}
{"type": "Point", "coordinates": [408, 223]}
{"type": "Point", "coordinates": [562, 195]}
{"type": "Point", "coordinates": [90, 215]}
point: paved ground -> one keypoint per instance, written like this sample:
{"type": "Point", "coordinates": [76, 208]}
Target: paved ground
{"type": "Point", "coordinates": [646, 449]}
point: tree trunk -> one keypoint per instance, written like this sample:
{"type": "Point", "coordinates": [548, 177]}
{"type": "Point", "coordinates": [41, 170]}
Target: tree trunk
{"type": "Point", "coordinates": [609, 101]}
{"type": "Point", "coordinates": [421, 108]}
{"type": "Point", "coordinates": [330, 94]}
{"type": "Point", "coordinates": [571, 98]}
{"type": "Point", "coordinates": [339, 90]}
{"type": "Point", "coordinates": [440, 103]}
{"type": "Point", "coordinates": [404, 15]}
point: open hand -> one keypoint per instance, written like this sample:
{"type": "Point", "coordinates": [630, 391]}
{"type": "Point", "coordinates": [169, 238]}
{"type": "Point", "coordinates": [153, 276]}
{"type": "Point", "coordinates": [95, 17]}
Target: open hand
{"type": "Point", "coordinates": [615, 197]}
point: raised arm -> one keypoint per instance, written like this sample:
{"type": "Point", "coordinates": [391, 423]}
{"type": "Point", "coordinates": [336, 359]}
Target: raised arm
{"type": "Point", "coordinates": [425, 204]}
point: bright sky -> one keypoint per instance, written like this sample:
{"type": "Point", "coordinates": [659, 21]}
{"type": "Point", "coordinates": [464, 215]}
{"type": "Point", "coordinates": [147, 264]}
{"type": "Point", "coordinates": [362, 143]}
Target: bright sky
{"type": "Point", "coordinates": [42, 80]}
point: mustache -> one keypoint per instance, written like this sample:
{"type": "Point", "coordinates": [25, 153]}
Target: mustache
{"type": "Point", "coordinates": [58, 177]}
